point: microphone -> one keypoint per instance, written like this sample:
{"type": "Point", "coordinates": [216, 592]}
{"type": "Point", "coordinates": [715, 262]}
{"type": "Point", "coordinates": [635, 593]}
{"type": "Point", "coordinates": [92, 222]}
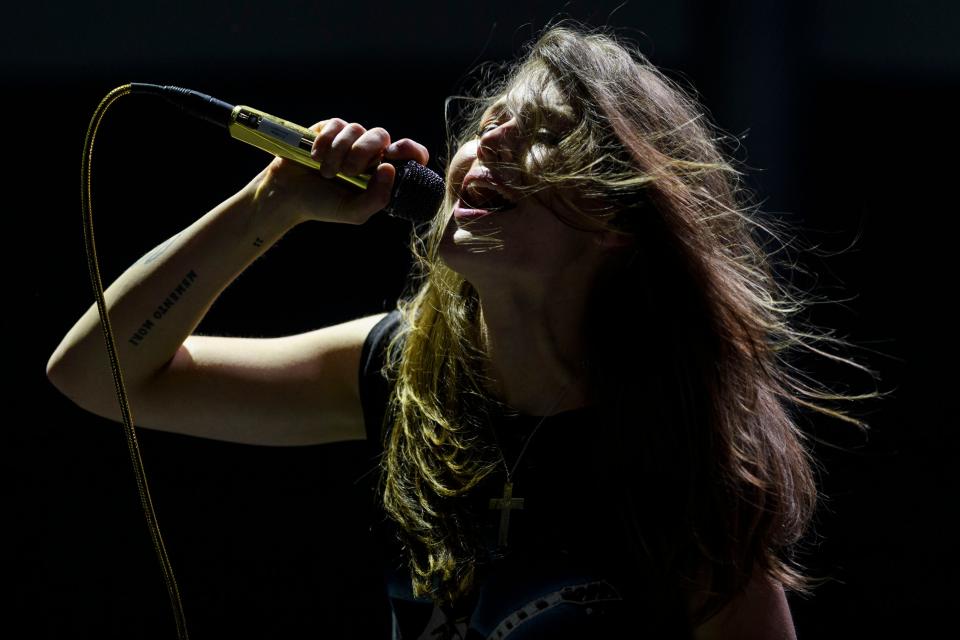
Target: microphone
{"type": "Point", "coordinates": [417, 191]}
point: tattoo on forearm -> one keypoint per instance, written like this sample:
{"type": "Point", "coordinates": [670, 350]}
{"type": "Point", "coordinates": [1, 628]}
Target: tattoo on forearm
{"type": "Point", "coordinates": [140, 334]}
{"type": "Point", "coordinates": [258, 242]}
{"type": "Point", "coordinates": [159, 250]}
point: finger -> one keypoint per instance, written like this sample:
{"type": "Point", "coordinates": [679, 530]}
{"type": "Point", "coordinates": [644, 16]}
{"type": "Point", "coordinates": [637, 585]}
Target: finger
{"type": "Point", "coordinates": [377, 194]}
{"type": "Point", "coordinates": [339, 148]}
{"type": "Point", "coordinates": [327, 133]}
{"type": "Point", "coordinates": [407, 149]}
{"type": "Point", "coordinates": [366, 151]}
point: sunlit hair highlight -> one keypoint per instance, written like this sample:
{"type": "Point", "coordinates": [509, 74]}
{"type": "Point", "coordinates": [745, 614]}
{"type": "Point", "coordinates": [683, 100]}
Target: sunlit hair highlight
{"type": "Point", "coordinates": [693, 337]}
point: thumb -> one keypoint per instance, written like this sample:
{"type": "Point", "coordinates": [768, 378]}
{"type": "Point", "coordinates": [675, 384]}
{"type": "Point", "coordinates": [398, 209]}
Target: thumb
{"type": "Point", "coordinates": [380, 187]}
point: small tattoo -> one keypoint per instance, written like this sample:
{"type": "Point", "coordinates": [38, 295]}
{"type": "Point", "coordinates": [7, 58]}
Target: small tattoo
{"type": "Point", "coordinates": [258, 242]}
{"type": "Point", "coordinates": [161, 310]}
{"type": "Point", "coordinates": [159, 250]}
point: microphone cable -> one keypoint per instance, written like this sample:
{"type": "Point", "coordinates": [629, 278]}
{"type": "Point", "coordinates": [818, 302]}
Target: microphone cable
{"type": "Point", "coordinates": [85, 199]}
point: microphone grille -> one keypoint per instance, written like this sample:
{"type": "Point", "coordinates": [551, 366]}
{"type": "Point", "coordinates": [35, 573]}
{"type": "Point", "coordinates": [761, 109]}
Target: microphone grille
{"type": "Point", "coordinates": [417, 193]}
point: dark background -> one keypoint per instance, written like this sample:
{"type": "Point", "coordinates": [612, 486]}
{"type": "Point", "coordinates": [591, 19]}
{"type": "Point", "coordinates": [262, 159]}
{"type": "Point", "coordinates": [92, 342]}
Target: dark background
{"type": "Point", "coordinates": [846, 111]}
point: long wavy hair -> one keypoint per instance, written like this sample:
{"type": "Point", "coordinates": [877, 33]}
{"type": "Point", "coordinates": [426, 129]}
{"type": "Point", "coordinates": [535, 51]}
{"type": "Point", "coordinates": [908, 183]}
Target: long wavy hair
{"type": "Point", "coordinates": [693, 335]}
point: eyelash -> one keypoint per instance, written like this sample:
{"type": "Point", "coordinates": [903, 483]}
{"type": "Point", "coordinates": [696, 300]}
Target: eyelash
{"type": "Point", "coordinates": [483, 128]}
{"type": "Point", "coordinates": [553, 137]}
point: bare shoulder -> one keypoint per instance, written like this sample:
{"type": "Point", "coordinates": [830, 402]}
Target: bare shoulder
{"type": "Point", "coordinates": [761, 612]}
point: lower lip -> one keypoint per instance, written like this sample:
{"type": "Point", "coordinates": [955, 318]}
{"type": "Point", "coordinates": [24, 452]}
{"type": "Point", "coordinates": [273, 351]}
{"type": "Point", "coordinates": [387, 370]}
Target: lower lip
{"type": "Point", "coordinates": [471, 214]}
{"type": "Point", "coordinates": [468, 214]}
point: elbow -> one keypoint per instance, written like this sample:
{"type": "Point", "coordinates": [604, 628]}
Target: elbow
{"type": "Point", "coordinates": [68, 384]}
{"type": "Point", "coordinates": [54, 368]}
{"type": "Point", "coordinates": [59, 380]}
{"type": "Point", "coordinates": [57, 371]}
{"type": "Point", "coordinates": [64, 377]}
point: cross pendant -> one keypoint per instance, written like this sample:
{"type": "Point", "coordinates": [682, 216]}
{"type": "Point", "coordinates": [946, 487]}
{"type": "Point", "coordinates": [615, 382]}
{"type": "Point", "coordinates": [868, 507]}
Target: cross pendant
{"type": "Point", "coordinates": [505, 504]}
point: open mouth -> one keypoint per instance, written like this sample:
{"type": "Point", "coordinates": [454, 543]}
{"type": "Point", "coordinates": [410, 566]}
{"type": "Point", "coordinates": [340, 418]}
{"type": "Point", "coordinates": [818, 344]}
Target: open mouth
{"type": "Point", "coordinates": [481, 197]}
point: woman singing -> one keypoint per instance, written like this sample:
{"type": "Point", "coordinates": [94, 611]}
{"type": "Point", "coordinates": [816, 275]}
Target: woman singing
{"type": "Point", "coordinates": [581, 408]}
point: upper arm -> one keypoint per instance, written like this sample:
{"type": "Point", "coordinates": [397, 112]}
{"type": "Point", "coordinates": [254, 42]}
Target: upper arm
{"type": "Point", "coordinates": [293, 390]}
{"type": "Point", "coordinates": [761, 612]}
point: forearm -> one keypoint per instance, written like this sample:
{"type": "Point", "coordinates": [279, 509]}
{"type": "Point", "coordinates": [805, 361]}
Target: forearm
{"type": "Point", "coordinates": [159, 300]}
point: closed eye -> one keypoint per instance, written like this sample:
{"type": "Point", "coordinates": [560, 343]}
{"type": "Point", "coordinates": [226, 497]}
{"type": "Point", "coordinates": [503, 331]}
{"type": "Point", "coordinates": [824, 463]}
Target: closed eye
{"type": "Point", "coordinates": [543, 134]}
{"type": "Point", "coordinates": [483, 130]}
{"type": "Point", "coordinates": [548, 136]}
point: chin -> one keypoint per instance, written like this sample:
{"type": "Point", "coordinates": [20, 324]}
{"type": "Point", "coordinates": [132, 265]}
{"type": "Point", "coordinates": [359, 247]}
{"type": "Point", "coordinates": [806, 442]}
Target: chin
{"type": "Point", "coordinates": [461, 252]}
{"type": "Point", "coordinates": [453, 250]}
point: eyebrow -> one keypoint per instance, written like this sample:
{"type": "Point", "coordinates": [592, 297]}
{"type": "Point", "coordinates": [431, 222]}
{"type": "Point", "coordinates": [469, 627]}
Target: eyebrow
{"type": "Point", "coordinates": [565, 112]}
{"type": "Point", "coordinates": [496, 107]}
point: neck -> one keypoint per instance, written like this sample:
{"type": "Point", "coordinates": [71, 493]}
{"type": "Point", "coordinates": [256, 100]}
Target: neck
{"type": "Point", "coordinates": [537, 356]}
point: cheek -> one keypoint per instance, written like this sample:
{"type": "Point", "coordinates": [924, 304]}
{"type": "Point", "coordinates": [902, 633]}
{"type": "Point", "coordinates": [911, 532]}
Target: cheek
{"type": "Point", "coordinates": [585, 213]}
{"type": "Point", "coordinates": [538, 158]}
{"type": "Point", "coordinates": [460, 164]}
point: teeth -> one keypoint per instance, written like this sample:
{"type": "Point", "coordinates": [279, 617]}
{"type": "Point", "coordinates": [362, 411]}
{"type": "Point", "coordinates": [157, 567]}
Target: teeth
{"type": "Point", "coordinates": [483, 194]}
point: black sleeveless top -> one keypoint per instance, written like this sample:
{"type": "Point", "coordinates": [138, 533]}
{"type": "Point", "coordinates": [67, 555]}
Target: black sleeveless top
{"type": "Point", "coordinates": [562, 574]}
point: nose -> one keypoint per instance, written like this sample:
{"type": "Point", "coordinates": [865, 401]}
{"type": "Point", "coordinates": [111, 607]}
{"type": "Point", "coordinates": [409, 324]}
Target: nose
{"type": "Point", "coordinates": [496, 143]}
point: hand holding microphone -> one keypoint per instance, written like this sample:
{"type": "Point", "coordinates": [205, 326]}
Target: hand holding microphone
{"type": "Point", "coordinates": [405, 189]}
{"type": "Point", "coordinates": [341, 148]}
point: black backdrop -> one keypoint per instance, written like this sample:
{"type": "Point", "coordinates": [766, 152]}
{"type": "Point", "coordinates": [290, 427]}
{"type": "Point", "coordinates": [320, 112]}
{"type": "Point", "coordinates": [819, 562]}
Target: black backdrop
{"type": "Point", "coordinates": [847, 112]}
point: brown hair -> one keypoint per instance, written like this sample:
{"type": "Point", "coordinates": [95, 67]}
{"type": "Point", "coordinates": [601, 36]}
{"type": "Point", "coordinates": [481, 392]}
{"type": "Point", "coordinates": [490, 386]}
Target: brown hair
{"type": "Point", "coordinates": [694, 334]}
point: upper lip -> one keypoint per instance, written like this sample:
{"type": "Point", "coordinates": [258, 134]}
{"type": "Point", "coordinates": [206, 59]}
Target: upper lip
{"type": "Point", "coordinates": [485, 177]}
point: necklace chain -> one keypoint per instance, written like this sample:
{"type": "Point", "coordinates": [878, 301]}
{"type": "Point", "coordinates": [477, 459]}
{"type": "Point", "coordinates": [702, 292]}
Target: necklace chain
{"type": "Point", "coordinates": [523, 450]}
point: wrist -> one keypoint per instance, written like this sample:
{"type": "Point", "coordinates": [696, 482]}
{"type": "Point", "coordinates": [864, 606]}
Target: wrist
{"type": "Point", "coordinates": [268, 199]}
